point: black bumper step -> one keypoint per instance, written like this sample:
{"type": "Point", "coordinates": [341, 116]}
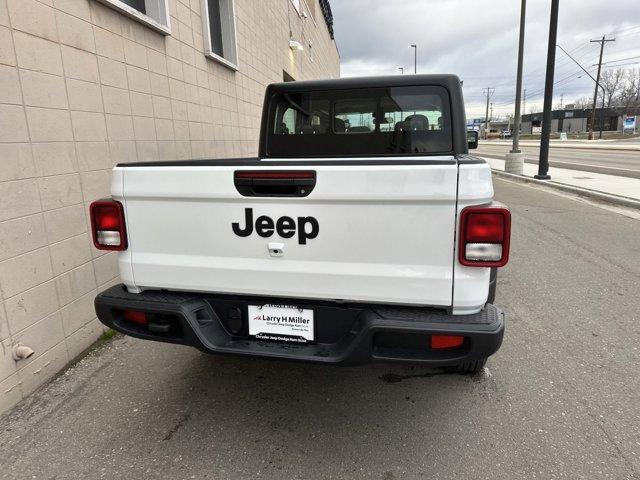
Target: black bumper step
{"type": "Point", "coordinates": [345, 333]}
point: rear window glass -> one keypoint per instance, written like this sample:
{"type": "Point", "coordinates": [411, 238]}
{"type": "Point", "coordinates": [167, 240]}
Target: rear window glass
{"type": "Point", "coordinates": [355, 116]}
{"type": "Point", "coordinates": [384, 121]}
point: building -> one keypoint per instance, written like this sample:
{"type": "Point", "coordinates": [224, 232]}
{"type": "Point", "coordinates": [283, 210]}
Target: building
{"type": "Point", "coordinates": [572, 120]}
{"type": "Point", "coordinates": [496, 126]}
{"type": "Point", "coordinates": [85, 84]}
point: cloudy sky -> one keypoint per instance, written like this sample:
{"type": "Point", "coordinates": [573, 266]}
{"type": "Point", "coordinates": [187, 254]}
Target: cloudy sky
{"type": "Point", "coordinates": [477, 40]}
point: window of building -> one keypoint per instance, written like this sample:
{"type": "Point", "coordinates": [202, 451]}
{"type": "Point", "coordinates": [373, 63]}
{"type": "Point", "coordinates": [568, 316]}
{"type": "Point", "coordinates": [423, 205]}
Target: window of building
{"type": "Point", "coordinates": [219, 31]}
{"type": "Point", "coordinates": [153, 13]}
{"type": "Point", "coordinates": [297, 5]}
{"type": "Point", "coordinates": [311, 5]}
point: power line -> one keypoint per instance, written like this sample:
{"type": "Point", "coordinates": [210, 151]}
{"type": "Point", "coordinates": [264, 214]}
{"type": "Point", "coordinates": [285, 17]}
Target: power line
{"type": "Point", "coordinates": [528, 79]}
{"type": "Point", "coordinates": [622, 65]}
{"type": "Point", "coordinates": [621, 60]}
{"type": "Point", "coordinates": [540, 70]}
{"type": "Point", "coordinates": [531, 74]}
{"type": "Point", "coordinates": [562, 81]}
{"type": "Point", "coordinates": [579, 51]}
{"type": "Point", "coordinates": [621, 32]}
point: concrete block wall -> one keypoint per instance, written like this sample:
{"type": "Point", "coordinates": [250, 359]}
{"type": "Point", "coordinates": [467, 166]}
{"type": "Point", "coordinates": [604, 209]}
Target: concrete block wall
{"type": "Point", "coordinates": [83, 87]}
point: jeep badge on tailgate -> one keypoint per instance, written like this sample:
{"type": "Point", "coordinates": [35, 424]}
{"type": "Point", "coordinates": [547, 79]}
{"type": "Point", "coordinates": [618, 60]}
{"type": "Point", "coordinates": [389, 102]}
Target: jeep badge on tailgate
{"type": "Point", "coordinates": [285, 226]}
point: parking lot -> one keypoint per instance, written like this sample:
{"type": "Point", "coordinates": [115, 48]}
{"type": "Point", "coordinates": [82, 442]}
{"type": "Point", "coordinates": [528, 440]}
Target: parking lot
{"type": "Point", "coordinates": [561, 399]}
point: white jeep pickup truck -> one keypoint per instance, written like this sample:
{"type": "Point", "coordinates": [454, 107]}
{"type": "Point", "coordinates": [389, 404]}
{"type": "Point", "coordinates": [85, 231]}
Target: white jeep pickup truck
{"type": "Point", "coordinates": [363, 232]}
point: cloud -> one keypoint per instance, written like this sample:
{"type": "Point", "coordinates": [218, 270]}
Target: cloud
{"type": "Point", "coordinates": [477, 40]}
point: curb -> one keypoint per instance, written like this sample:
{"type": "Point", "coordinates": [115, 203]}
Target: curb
{"type": "Point", "coordinates": [581, 192]}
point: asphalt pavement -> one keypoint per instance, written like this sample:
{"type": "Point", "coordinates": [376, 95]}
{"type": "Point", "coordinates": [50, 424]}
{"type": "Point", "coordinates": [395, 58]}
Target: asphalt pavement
{"type": "Point", "coordinates": [561, 399]}
{"type": "Point", "coordinates": [625, 163]}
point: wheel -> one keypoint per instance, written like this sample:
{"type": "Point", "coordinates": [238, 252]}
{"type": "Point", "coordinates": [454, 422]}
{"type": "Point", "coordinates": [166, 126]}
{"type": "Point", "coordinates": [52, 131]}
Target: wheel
{"type": "Point", "coordinates": [468, 368]}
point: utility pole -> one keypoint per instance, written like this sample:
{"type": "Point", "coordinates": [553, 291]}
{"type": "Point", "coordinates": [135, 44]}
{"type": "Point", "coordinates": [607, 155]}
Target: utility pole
{"type": "Point", "coordinates": [401, 70]}
{"type": "Point", "coordinates": [543, 162]}
{"type": "Point", "coordinates": [488, 92]}
{"type": "Point", "coordinates": [602, 41]}
{"type": "Point", "coordinates": [561, 101]}
{"type": "Point", "coordinates": [491, 114]}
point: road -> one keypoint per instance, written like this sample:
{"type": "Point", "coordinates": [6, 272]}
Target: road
{"type": "Point", "coordinates": [624, 163]}
{"type": "Point", "coordinates": [561, 399]}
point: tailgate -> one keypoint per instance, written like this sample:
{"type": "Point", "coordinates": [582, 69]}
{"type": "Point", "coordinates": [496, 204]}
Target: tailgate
{"type": "Point", "coordinates": [371, 232]}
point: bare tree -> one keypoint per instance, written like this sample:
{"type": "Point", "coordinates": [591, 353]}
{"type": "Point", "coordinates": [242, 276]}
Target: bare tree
{"type": "Point", "coordinates": [583, 103]}
{"type": "Point", "coordinates": [613, 81]}
{"type": "Point", "coordinates": [621, 92]}
{"type": "Point", "coordinates": [629, 98]}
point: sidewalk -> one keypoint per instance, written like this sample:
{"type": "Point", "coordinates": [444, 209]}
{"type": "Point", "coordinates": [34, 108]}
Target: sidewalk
{"type": "Point", "coordinates": [607, 184]}
{"type": "Point", "coordinates": [581, 144]}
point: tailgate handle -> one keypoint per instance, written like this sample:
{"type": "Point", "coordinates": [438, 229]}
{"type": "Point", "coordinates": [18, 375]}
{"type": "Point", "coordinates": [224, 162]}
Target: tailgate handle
{"type": "Point", "coordinates": [276, 183]}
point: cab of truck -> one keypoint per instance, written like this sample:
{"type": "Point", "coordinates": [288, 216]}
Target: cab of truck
{"type": "Point", "coordinates": [363, 231]}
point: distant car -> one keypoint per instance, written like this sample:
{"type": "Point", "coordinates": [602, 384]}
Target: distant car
{"type": "Point", "coordinates": [505, 133]}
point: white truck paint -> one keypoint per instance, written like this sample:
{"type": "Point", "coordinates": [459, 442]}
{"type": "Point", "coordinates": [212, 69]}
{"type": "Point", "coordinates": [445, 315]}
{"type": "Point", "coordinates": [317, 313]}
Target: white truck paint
{"type": "Point", "coordinates": [376, 228]}
{"type": "Point", "coordinates": [387, 234]}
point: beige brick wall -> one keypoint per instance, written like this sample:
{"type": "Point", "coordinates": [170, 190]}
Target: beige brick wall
{"type": "Point", "coordinates": [83, 87]}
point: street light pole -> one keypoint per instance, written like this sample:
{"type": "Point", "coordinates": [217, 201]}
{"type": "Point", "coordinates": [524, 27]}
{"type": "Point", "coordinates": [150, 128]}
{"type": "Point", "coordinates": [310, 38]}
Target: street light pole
{"type": "Point", "coordinates": [415, 58]}
{"type": "Point", "coordinates": [517, 120]}
{"type": "Point", "coordinates": [514, 162]}
{"type": "Point", "coordinates": [543, 162]}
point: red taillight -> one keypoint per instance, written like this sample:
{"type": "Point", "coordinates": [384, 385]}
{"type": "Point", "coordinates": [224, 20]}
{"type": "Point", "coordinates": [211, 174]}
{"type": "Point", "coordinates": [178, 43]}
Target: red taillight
{"type": "Point", "coordinates": [446, 342]}
{"type": "Point", "coordinates": [485, 227]}
{"type": "Point", "coordinates": [136, 317]}
{"type": "Point", "coordinates": [485, 234]}
{"type": "Point", "coordinates": [107, 225]}
{"type": "Point", "coordinates": [107, 218]}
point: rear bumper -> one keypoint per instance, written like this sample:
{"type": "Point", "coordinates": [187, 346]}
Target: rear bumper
{"type": "Point", "coordinates": [346, 334]}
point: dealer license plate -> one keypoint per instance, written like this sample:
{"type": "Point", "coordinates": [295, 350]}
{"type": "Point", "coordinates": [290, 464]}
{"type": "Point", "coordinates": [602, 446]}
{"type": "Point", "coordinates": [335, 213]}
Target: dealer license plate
{"type": "Point", "coordinates": [282, 323]}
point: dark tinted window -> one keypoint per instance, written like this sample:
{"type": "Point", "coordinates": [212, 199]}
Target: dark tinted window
{"type": "Point", "coordinates": [137, 4]}
{"type": "Point", "coordinates": [215, 28]}
{"type": "Point", "coordinates": [355, 116]}
{"type": "Point", "coordinates": [382, 121]}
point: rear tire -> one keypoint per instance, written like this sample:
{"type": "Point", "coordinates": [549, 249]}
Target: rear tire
{"type": "Point", "coordinates": [468, 368]}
